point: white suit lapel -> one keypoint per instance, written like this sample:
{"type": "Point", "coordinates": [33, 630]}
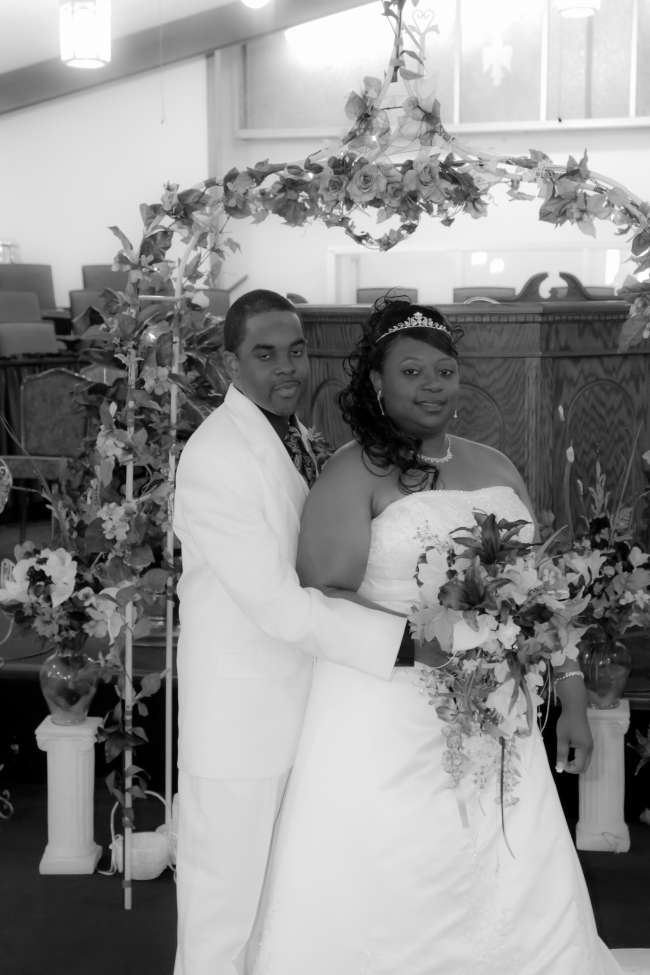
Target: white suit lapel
{"type": "Point", "coordinates": [256, 430]}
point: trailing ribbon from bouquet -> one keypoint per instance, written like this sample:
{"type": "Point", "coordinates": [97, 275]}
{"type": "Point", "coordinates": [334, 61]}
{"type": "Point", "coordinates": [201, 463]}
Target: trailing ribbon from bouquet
{"type": "Point", "coordinates": [508, 613]}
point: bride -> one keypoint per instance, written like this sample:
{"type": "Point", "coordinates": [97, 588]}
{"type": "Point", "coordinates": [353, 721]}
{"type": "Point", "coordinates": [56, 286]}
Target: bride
{"type": "Point", "coordinates": [376, 869]}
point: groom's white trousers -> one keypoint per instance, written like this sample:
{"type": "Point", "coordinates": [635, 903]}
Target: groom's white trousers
{"type": "Point", "coordinates": [225, 829]}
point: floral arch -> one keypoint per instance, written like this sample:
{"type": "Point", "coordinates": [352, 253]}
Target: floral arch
{"type": "Point", "coordinates": [396, 162]}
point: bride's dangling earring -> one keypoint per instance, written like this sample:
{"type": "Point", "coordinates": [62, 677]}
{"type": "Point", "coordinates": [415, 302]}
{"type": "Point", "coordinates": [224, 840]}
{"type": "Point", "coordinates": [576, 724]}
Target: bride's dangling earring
{"type": "Point", "coordinates": [379, 402]}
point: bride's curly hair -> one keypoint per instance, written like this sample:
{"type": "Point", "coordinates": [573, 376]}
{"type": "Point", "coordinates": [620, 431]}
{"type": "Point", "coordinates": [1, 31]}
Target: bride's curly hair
{"type": "Point", "coordinates": [384, 444]}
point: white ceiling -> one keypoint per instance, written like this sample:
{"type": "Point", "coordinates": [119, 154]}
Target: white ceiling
{"type": "Point", "coordinates": [29, 28]}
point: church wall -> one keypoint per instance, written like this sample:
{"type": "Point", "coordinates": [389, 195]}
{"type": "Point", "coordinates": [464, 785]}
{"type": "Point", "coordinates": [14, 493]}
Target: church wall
{"type": "Point", "coordinates": [71, 167]}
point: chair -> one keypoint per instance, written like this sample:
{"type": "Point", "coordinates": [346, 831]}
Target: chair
{"type": "Point", "coordinates": [296, 298]}
{"type": "Point", "coordinates": [28, 338]}
{"type": "Point", "coordinates": [367, 296]}
{"type": "Point", "coordinates": [53, 424]}
{"type": "Point", "coordinates": [483, 293]}
{"type": "Point", "coordinates": [19, 306]}
{"type": "Point", "coordinates": [22, 331]}
{"type": "Point", "coordinates": [575, 290]}
{"type": "Point", "coordinates": [36, 278]}
{"type": "Point", "coordinates": [96, 277]}
{"type": "Point", "coordinates": [218, 301]}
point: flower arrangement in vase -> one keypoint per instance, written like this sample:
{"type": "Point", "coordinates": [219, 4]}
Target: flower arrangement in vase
{"type": "Point", "coordinates": [619, 594]}
{"type": "Point", "coordinates": [65, 601]}
{"type": "Point", "coordinates": [45, 591]}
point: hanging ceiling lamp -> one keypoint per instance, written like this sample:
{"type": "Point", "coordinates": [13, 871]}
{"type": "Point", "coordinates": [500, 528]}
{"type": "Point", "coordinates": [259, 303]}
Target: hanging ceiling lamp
{"type": "Point", "coordinates": [255, 4]}
{"type": "Point", "coordinates": [578, 8]}
{"type": "Point", "coordinates": [85, 33]}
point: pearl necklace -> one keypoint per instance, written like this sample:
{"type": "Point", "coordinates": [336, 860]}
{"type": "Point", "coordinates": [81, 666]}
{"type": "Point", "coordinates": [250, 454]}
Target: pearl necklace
{"type": "Point", "coordinates": [434, 461]}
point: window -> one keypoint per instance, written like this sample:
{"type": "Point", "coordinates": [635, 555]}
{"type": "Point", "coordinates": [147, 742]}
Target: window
{"type": "Point", "coordinates": [497, 65]}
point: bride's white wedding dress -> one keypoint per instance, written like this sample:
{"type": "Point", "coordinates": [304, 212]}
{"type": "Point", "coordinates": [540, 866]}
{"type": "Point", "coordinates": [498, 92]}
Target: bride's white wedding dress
{"type": "Point", "coordinates": [373, 870]}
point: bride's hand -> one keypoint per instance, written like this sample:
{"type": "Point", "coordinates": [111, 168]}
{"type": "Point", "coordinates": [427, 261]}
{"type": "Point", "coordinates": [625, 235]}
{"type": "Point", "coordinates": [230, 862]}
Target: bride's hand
{"type": "Point", "coordinates": [429, 653]}
{"type": "Point", "coordinates": [573, 728]}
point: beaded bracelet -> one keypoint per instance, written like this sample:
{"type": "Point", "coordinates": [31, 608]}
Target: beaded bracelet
{"type": "Point", "coordinates": [569, 673]}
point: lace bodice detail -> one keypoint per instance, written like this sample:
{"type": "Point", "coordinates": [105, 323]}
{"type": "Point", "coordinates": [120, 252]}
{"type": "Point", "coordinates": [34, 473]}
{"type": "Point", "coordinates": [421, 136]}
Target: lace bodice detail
{"type": "Point", "coordinates": [401, 532]}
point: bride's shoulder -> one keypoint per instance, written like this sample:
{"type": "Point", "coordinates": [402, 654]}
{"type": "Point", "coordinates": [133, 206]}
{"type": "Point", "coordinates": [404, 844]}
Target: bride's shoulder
{"type": "Point", "coordinates": [491, 461]}
{"type": "Point", "coordinates": [346, 465]}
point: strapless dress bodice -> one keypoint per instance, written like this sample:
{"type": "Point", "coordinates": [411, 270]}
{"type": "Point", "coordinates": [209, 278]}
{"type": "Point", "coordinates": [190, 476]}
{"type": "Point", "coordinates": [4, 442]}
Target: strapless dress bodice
{"type": "Point", "coordinates": [401, 532]}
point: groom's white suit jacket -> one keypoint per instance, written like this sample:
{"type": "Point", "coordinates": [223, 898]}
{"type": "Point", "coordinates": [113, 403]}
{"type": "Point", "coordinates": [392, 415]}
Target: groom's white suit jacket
{"type": "Point", "coordinates": [248, 632]}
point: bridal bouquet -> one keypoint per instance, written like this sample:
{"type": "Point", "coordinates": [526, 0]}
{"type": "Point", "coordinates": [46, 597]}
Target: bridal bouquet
{"type": "Point", "coordinates": [508, 612]}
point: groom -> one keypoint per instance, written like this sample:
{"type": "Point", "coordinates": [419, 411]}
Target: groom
{"type": "Point", "coordinates": [249, 633]}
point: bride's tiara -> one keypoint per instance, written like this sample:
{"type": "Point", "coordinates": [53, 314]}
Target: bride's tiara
{"type": "Point", "coordinates": [417, 320]}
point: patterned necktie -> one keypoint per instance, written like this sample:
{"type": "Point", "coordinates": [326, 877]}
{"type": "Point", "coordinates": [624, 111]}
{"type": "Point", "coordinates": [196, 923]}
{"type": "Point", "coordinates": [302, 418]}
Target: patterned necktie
{"type": "Point", "coordinates": [301, 457]}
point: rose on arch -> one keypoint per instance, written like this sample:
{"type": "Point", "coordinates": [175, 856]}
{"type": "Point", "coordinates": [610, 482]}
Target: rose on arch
{"type": "Point", "coordinates": [424, 178]}
{"type": "Point", "coordinates": [367, 183]}
{"type": "Point", "coordinates": [331, 186]}
{"type": "Point", "coordinates": [394, 191]}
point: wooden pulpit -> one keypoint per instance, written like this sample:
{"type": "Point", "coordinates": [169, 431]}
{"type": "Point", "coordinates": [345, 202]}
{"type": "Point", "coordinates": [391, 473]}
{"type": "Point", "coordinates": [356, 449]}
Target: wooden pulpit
{"type": "Point", "coordinates": [519, 364]}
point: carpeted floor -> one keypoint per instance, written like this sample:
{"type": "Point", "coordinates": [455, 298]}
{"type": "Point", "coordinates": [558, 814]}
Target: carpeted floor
{"type": "Point", "coordinates": [77, 925]}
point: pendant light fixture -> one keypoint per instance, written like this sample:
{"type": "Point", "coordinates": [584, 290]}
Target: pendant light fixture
{"type": "Point", "coordinates": [577, 8]}
{"type": "Point", "coordinates": [255, 4]}
{"type": "Point", "coordinates": [85, 33]}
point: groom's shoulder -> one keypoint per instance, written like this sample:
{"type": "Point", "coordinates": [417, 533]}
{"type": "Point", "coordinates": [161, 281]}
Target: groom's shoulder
{"type": "Point", "coordinates": [215, 436]}
{"type": "Point", "coordinates": [217, 423]}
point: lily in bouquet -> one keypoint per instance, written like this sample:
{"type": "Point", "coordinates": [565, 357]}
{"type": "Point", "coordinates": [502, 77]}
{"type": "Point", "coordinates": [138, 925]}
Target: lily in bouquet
{"type": "Point", "coordinates": [508, 613]}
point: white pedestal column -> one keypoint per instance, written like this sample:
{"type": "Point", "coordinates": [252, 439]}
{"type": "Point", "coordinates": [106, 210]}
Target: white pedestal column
{"type": "Point", "coordinates": [601, 788]}
{"type": "Point", "coordinates": [70, 791]}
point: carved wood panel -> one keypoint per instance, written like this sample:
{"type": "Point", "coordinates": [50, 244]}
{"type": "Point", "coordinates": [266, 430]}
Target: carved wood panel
{"type": "Point", "coordinates": [519, 363]}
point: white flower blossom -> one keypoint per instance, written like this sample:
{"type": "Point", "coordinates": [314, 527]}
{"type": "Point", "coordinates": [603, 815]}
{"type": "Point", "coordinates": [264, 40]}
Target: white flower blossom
{"type": "Point", "coordinates": [507, 633]}
{"type": "Point", "coordinates": [466, 638]}
{"type": "Point", "coordinates": [108, 447]}
{"type": "Point", "coordinates": [512, 712]}
{"type": "Point", "coordinates": [106, 617]}
{"type": "Point", "coordinates": [62, 569]}
{"type": "Point", "coordinates": [116, 520]}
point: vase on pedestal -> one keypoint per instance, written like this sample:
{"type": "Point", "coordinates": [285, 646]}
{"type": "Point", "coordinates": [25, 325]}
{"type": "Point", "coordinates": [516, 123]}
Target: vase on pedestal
{"type": "Point", "coordinates": [69, 679]}
{"type": "Point", "coordinates": [606, 663]}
